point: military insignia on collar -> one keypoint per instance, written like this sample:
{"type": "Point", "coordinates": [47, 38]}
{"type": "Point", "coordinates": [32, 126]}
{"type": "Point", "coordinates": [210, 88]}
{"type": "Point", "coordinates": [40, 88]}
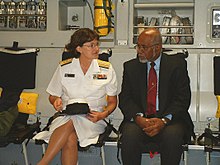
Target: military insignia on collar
{"type": "Point", "coordinates": [67, 61]}
{"type": "Point", "coordinates": [99, 76]}
{"type": "Point", "coordinates": [104, 64]}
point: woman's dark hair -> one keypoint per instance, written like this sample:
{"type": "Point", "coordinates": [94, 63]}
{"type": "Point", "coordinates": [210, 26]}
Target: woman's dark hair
{"type": "Point", "coordinates": [80, 37]}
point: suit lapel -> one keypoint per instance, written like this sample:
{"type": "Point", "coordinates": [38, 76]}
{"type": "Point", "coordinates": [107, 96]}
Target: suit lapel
{"type": "Point", "coordinates": [163, 81]}
{"type": "Point", "coordinates": [142, 82]}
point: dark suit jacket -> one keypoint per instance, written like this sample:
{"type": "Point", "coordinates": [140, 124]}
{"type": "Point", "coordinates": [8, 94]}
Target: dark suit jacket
{"type": "Point", "coordinates": [174, 90]}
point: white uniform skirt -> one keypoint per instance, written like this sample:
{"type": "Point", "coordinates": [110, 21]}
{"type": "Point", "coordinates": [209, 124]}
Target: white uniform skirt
{"type": "Point", "coordinates": [87, 131]}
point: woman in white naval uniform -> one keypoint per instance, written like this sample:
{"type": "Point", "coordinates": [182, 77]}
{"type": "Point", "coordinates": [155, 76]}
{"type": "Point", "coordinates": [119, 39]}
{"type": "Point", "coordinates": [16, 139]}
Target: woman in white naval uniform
{"type": "Point", "coordinates": [83, 79]}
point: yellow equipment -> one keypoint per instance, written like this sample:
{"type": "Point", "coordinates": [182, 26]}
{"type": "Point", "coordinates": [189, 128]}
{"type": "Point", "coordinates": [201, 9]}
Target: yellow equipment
{"type": "Point", "coordinates": [218, 110]}
{"type": "Point", "coordinates": [103, 17]}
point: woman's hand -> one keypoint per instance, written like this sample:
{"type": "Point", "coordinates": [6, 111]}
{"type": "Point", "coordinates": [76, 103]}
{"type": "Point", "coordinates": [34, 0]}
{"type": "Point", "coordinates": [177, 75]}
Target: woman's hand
{"type": "Point", "coordinates": [56, 102]}
{"type": "Point", "coordinates": [95, 116]}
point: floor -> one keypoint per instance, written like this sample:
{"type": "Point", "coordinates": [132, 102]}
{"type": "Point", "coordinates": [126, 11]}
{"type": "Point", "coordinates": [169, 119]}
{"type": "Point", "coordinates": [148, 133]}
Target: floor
{"type": "Point", "coordinates": [13, 155]}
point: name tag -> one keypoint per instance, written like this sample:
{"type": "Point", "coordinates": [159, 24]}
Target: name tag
{"type": "Point", "coordinates": [99, 76]}
{"type": "Point", "coordinates": [69, 75]}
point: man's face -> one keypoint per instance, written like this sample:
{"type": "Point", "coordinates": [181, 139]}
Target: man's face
{"type": "Point", "coordinates": [148, 49]}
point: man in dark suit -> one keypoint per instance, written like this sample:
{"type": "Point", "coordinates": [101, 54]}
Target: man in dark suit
{"type": "Point", "coordinates": [170, 125]}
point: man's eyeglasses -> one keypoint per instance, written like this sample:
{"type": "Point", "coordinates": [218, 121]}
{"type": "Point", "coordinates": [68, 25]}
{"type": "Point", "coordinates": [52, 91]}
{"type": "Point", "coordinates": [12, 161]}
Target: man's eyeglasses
{"type": "Point", "coordinates": [138, 46]}
{"type": "Point", "coordinates": [92, 45]}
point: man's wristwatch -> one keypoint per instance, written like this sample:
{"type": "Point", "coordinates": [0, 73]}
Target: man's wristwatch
{"type": "Point", "coordinates": [140, 114]}
{"type": "Point", "coordinates": [165, 120]}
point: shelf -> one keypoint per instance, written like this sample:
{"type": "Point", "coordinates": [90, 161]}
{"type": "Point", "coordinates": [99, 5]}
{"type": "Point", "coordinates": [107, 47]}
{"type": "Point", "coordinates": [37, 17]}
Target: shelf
{"type": "Point", "coordinates": [169, 34]}
{"type": "Point", "coordinates": [175, 20]}
{"type": "Point", "coordinates": [163, 26]}
{"type": "Point", "coordinates": [73, 2]}
{"type": "Point", "coordinates": [172, 35]}
{"type": "Point", "coordinates": [164, 5]}
{"type": "Point", "coordinates": [23, 15]}
{"type": "Point", "coordinates": [23, 29]}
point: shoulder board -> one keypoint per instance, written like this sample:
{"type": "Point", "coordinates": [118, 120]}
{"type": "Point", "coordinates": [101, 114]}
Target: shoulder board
{"type": "Point", "coordinates": [67, 61]}
{"type": "Point", "coordinates": [103, 64]}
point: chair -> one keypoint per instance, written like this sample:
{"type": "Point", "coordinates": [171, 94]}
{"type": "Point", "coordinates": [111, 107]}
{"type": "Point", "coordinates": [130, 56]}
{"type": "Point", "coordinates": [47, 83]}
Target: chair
{"type": "Point", "coordinates": [21, 132]}
{"type": "Point", "coordinates": [12, 84]}
{"type": "Point", "coordinates": [212, 138]}
{"type": "Point", "coordinates": [21, 136]}
{"type": "Point", "coordinates": [105, 55]}
{"type": "Point", "coordinates": [152, 148]}
{"type": "Point", "coordinates": [104, 137]}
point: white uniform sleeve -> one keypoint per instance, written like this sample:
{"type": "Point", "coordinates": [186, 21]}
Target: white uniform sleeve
{"type": "Point", "coordinates": [112, 87]}
{"type": "Point", "coordinates": [55, 87]}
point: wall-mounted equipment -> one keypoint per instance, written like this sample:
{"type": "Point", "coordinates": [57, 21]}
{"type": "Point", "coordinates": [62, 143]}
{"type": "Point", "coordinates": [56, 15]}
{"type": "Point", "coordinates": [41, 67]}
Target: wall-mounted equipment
{"type": "Point", "coordinates": [71, 14]}
{"type": "Point", "coordinates": [103, 23]}
{"type": "Point", "coordinates": [29, 15]}
{"type": "Point", "coordinates": [215, 26]}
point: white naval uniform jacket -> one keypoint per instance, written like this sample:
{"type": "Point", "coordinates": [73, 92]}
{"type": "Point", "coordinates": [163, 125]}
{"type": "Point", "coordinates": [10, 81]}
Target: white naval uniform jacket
{"type": "Point", "coordinates": [70, 83]}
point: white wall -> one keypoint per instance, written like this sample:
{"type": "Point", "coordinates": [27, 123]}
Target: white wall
{"type": "Point", "coordinates": [53, 40]}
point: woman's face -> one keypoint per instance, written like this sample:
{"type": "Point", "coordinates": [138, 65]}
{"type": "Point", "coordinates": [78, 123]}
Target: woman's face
{"type": "Point", "coordinates": [89, 50]}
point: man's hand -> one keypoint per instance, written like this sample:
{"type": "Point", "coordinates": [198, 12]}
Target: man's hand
{"type": "Point", "coordinates": [155, 125]}
{"type": "Point", "coordinates": [150, 126]}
